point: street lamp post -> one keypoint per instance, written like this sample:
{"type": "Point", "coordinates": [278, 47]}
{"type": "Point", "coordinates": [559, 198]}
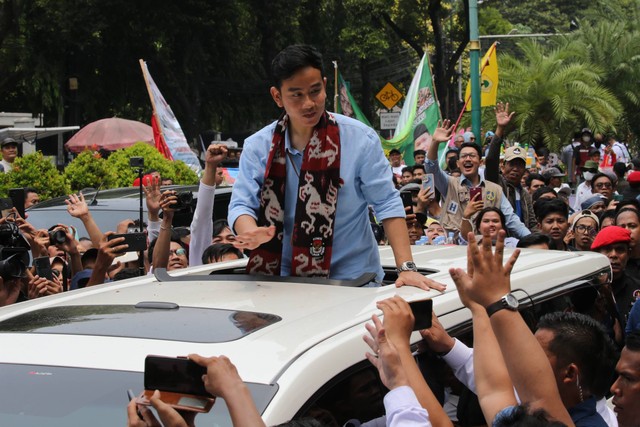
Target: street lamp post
{"type": "Point", "coordinates": [474, 64]}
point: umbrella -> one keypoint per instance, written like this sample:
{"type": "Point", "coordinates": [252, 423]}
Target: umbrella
{"type": "Point", "coordinates": [110, 134]}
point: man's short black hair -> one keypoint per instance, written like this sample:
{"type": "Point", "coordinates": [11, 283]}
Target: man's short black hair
{"type": "Point", "coordinates": [607, 214]}
{"type": "Point", "coordinates": [580, 339]}
{"type": "Point", "coordinates": [600, 175]}
{"type": "Point", "coordinates": [471, 145]}
{"type": "Point", "coordinates": [28, 190]}
{"type": "Point", "coordinates": [523, 416]}
{"type": "Point", "coordinates": [419, 152]}
{"type": "Point", "coordinates": [628, 204]}
{"type": "Point", "coordinates": [545, 207]}
{"type": "Point", "coordinates": [407, 169]}
{"type": "Point", "coordinates": [632, 341]}
{"type": "Point", "coordinates": [542, 151]}
{"type": "Point", "coordinates": [538, 177]}
{"type": "Point", "coordinates": [620, 169]}
{"type": "Point", "coordinates": [419, 167]}
{"type": "Point", "coordinates": [218, 227]}
{"type": "Point", "coordinates": [216, 251]}
{"type": "Point", "coordinates": [293, 58]}
{"type": "Point", "coordinates": [419, 130]}
{"type": "Point", "coordinates": [536, 239]}
{"type": "Point", "coordinates": [541, 191]}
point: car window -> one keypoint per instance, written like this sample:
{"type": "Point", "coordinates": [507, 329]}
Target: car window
{"type": "Point", "coordinates": [61, 397]}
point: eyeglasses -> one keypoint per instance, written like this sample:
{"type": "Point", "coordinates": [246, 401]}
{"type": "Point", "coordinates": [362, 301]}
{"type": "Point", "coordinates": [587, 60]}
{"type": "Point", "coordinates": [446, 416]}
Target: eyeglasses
{"type": "Point", "coordinates": [603, 185]}
{"type": "Point", "coordinates": [585, 229]}
{"type": "Point", "coordinates": [469, 156]}
{"type": "Point", "coordinates": [178, 252]}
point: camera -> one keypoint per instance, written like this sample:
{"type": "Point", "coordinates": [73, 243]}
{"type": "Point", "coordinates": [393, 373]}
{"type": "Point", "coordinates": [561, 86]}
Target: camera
{"type": "Point", "coordinates": [136, 162]}
{"type": "Point", "coordinates": [184, 201]}
{"type": "Point", "coordinates": [14, 252]}
{"type": "Point", "coordinates": [57, 237]}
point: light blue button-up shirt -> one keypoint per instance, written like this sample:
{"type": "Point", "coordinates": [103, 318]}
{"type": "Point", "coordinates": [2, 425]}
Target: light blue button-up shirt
{"type": "Point", "coordinates": [367, 179]}
{"type": "Point", "coordinates": [514, 225]}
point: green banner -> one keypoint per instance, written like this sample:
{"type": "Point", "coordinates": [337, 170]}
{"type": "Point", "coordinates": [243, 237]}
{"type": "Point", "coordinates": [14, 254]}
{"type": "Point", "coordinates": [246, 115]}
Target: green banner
{"type": "Point", "coordinates": [348, 105]}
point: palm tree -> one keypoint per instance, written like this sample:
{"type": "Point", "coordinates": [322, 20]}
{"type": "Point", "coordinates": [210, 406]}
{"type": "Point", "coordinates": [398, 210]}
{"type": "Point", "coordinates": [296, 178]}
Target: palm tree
{"type": "Point", "coordinates": [555, 91]}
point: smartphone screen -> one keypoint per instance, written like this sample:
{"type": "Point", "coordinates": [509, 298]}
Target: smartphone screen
{"type": "Point", "coordinates": [177, 375]}
{"type": "Point", "coordinates": [43, 267]}
{"type": "Point", "coordinates": [422, 311]}
{"type": "Point", "coordinates": [136, 241]}
{"type": "Point", "coordinates": [17, 197]}
{"type": "Point", "coordinates": [473, 192]}
{"type": "Point", "coordinates": [407, 200]}
{"type": "Point", "coordinates": [427, 181]}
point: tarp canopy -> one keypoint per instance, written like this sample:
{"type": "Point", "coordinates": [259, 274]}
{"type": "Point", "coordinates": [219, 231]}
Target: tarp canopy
{"type": "Point", "coordinates": [32, 134]}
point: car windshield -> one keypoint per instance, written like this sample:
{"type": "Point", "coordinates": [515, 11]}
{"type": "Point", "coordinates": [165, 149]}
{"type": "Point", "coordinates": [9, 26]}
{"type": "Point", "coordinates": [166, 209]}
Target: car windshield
{"type": "Point", "coordinates": [52, 396]}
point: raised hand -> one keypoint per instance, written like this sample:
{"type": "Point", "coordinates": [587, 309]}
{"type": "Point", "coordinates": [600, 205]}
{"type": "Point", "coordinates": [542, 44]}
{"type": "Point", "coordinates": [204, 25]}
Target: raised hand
{"type": "Point", "coordinates": [503, 117]}
{"type": "Point", "coordinates": [151, 187]}
{"type": "Point", "coordinates": [443, 131]}
{"type": "Point", "coordinates": [385, 356]}
{"type": "Point", "coordinates": [77, 206]}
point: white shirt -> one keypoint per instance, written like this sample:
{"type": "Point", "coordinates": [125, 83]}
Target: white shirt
{"type": "Point", "coordinates": [583, 192]}
{"type": "Point", "coordinates": [6, 165]}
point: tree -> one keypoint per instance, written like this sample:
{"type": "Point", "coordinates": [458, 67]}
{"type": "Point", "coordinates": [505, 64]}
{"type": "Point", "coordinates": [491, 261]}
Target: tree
{"type": "Point", "coordinates": [555, 91]}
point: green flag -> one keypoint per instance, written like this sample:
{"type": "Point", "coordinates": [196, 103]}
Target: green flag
{"type": "Point", "coordinates": [419, 117]}
{"type": "Point", "coordinates": [347, 104]}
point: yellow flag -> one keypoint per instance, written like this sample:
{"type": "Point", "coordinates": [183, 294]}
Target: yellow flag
{"type": "Point", "coordinates": [488, 80]}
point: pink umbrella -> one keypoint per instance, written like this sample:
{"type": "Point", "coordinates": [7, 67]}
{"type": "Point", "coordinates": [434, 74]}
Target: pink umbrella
{"type": "Point", "coordinates": [110, 134]}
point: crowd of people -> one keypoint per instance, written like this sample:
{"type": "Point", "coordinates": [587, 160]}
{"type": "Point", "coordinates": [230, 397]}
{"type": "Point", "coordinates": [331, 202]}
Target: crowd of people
{"type": "Point", "coordinates": [285, 217]}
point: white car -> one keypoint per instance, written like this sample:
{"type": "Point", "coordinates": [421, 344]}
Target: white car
{"type": "Point", "coordinates": [68, 360]}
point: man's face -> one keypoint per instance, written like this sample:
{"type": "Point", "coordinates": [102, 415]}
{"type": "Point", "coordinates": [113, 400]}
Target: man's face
{"type": "Point", "coordinates": [303, 97]}
{"type": "Point", "coordinates": [618, 254]}
{"type": "Point", "coordinates": [395, 159]}
{"type": "Point", "coordinates": [406, 177]}
{"type": "Point", "coordinates": [418, 173]}
{"type": "Point", "coordinates": [419, 159]}
{"type": "Point", "coordinates": [450, 156]}
{"type": "Point", "coordinates": [513, 170]}
{"type": "Point", "coordinates": [585, 231]}
{"type": "Point", "coordinates": [626, 388]}
{"type": "Point", "coordinates": [177, 257]}
{"type": "Point", "coordinates": [10, 152]}
{"type": "Point", "coordinates": [225, 236]}
{"type": "Point", "coordinates": [423, 141]}
{"type": "Point", "coordinates": [415, 231]}
{"type": "Point", "coordinates": [629, 220]}
{"type": "Point", "coordinates": [469, 162]}
{"type": "Point", "coordinates": [535, 184]}
{"type": "Point", "coordinates": [555, 182]}
{"type": "Point", "coordinates": [458, 141]}
{"type": "Point", "coordinates": [555, 225]}
{"type": "Point", "coordinates": [545, 337]}
{"type": "Point", "coordinates": [219, 176]}
{"type": "Point", "coordinates": [603, 186]}
{"type": "Point", "coordinates": [31, 199]}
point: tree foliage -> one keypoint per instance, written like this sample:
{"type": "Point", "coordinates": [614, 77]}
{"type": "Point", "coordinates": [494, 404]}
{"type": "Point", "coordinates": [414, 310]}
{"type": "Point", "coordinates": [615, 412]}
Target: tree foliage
{"type": "Point", "coordinates": [34, 170]}
{"type": "Point", "coordinates": [118, 163]}
{"type": "Point", "coordinates": [89, 170]}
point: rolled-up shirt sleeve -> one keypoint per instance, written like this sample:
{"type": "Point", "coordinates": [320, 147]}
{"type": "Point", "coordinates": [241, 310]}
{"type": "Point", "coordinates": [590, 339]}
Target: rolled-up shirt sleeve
{"type": "Point", "coordinates": [514, 225]}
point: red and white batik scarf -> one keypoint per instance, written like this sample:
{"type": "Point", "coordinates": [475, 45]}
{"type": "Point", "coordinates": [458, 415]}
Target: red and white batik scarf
{"type": "Point", "coordinates": [316, 203]}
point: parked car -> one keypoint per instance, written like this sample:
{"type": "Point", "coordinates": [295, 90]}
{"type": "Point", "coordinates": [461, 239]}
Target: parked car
{"type": "Point", "coordinates": [109, 207]}
{"type": "Point", "coordinates": [68, 359]}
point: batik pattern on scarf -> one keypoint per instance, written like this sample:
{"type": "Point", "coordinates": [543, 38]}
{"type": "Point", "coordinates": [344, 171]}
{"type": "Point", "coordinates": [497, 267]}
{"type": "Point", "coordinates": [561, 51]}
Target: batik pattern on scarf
{"type": "Point", "coordinates": [315, 210]}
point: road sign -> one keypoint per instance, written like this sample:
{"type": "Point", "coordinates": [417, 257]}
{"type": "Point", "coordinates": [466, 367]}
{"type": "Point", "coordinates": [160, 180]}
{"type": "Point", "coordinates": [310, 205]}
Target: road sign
{"type": "Point", "coordinates": [389, 96]}
{"type": "Point", "coordinates": [389, 120]}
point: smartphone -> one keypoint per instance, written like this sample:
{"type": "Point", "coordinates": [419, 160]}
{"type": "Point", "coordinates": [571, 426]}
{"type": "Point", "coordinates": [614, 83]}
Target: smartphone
{"type": "Point", "coordinates": [136, 241]}
{"type": "Point", "coordinates": [17, 196]}
{"type": "Point", "coordinates": [43, 267]}
{"type": "Point", "coordinates": [422, 312]}
{"type": "Point", "coordinates": [618, 197]}
{"type": "Point", "coordinates": [427, 181]}
{"type": "Point", "coordinates": [5, 206]}
{"type": "Point", "coordinates": [174, 374]}
{"type": "Point", "coordinates": [407, 200]}
{"type": "Point", "coordinates": [473, 192]}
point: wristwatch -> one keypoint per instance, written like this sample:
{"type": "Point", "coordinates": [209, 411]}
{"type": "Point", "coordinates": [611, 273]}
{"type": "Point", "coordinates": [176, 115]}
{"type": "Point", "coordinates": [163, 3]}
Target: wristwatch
{"type": "Point", "coordinates": [509, 301]}
{"type": "Point", "coordinates": [407, 266]}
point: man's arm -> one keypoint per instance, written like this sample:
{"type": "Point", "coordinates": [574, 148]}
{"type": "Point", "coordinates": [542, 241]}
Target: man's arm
{"type": "Point", "coordinates": [514, 225]}
{"type": "Point", "coordinates": [441, 179]}
{"type": "Point", "coordinates": [78, 208]}
{"type": "Point", "coordinates": [202, 223]}
{"type": "Point", "coordinates": [163, 242]}
{"type": "Point", "coordinates": [492, 160]}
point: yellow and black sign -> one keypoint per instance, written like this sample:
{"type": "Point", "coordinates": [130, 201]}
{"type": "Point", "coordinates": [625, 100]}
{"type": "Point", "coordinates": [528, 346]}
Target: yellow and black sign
{"type": "Point", "coordinates": [389, 96]}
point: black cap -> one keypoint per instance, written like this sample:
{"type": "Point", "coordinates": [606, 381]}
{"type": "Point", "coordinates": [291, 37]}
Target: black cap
{"type": "Point", "coordinates": [8, 141]}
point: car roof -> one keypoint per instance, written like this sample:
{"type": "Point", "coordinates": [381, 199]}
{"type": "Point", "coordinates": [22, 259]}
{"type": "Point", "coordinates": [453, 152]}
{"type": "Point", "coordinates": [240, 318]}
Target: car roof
{"type": "Point", "coordinates": [310, 314]}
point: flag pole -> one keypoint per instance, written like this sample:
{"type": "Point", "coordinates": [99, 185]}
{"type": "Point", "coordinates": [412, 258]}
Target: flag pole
{"type": "Point", "coordinates": [335, 86]}
{"type": "Point", "coordinates": [466, 102]}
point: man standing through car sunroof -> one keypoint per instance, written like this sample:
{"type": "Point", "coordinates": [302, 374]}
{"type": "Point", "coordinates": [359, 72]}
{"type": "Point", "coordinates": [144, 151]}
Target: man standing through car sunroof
{"type": "Point", "coordinates": [300, 200]}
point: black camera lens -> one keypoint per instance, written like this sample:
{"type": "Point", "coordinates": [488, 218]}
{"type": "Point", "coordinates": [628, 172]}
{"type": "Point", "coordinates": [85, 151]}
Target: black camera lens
{"type": "Point", "coordinates": [184, 200]}
{"type": "Point", "coordinates": [57, 237]}
{"type": "Point", "coordinates": [12, 267]}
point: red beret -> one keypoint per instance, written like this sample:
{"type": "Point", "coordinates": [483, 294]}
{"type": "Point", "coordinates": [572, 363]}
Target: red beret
{"type": "Point", "coordinates": [634, 177]}
{"type": "Point", "coordinates": [610, 235]}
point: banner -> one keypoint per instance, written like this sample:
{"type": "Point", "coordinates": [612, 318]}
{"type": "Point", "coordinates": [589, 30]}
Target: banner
{"type": "Point", "coordinates": [347, 104]}
{"type": "Point", "coordinates": [488, 80]}
{"type": "Point", "coordinates": [170, 130]}
{"type": "Point", "coordinates": [161, 146]}
{"type": "Point", "coordinates": [419, 117]}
